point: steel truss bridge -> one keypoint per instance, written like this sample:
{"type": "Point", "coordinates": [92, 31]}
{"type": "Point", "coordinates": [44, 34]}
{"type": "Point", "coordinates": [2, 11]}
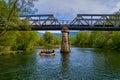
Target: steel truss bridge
{"type": "Point", "coordinates": [80, 22]}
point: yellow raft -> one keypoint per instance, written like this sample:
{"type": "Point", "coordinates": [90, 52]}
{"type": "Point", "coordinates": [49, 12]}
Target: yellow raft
{"type": "Point", "coordinates": [44, 54]}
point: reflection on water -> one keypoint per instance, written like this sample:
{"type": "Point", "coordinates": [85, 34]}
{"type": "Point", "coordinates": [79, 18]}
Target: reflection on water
{"type": "Point", "coordinates": [80, 64]}
{"type": "Point", "coordinates": [65, 60]}
{"type": "Point", "coordinates": [65, 66]}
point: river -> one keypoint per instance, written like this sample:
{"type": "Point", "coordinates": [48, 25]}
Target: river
{"type": "Point", "coordinates": [80, 64]}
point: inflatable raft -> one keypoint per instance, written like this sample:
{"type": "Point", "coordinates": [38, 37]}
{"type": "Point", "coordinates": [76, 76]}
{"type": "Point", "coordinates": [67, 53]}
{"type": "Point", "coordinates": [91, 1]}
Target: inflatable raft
{"type": "Point", "coordinates": [45, 54]}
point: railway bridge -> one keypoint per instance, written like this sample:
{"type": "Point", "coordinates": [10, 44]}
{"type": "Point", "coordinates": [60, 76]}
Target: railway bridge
{"type": "Point", "coordinates": [107, 22]}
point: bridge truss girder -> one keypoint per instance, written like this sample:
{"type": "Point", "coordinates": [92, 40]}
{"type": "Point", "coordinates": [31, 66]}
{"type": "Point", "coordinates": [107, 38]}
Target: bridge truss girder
{"type": "Point", "coordinates": [41, 20]}
{"type": "Point", "coordinates": [101, 20]}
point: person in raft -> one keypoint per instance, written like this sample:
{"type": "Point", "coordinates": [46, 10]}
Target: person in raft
{"type": "Point", "coordinates": [47, 51]}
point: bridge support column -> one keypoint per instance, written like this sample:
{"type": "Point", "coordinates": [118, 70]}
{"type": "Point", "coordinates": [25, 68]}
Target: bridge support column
{"type": "Point", "coordinates": [65, 44]}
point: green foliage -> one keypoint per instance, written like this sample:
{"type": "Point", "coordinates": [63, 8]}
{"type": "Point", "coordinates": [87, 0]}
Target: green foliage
{"type": "Point", "coordinates": [57, 40]}
{"type": "Point", "coordinates": [82, 39]}
{"type": "Point", "coordinates": [26, 40]}
{"type": "Point", "coordinates": [98, 39]}
{"type": "Point", "coordinates": [49, 38]}
{"type": "Point", "coordinates": [48, 46]}
{"type": "Point", "coordinates": [18, 40]}
{"type": "Point", "coordinates": [3, 9]}
{"type": "Point", "coordinates": [8, 38]}
{"type": "Point", "coordinates": [7, 41]}
{"type": "Point", "coordinates": [72, 40]}
{"type": "Point", "coordinates": [41, 41]}
{"type": "Point", "coordinates": [11, 22]}
{"type": "Point", "coordinates": [15, 40]}
{"type": "Point", "coordinates": [114, 41]}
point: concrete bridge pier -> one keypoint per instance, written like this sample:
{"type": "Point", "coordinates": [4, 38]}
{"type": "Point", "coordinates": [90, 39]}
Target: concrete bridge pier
{"type": "Point", "coordinates": [65, 44]}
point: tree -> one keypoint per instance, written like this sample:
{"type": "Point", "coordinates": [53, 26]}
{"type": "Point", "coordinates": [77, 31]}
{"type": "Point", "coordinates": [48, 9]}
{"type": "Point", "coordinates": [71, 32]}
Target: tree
{"type": "Point", "coordinates": [57, 41]}
{"type": "Point", "coordinates": [99, 39]}
{"type": "Point", "coordinates": [10, 11]}
{"type": "Point", "coordinates": [15, 40]}
{"type": "Point", "coordinates": [26, 40]}
{"type": "Point", "coordinates": [114, 41]}
{"type": "Point", "coordinates": [24, 6]}
{"type": "Point", "coordinates": [72, 40]}
{"type": "Point", "coordinates": [49, 38]}
{"type": "Point", "coordinates": [82, 39]}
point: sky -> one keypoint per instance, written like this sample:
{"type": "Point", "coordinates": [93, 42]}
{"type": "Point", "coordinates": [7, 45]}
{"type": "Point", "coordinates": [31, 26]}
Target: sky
{"type": "Point", "coordinates": [68, 9]}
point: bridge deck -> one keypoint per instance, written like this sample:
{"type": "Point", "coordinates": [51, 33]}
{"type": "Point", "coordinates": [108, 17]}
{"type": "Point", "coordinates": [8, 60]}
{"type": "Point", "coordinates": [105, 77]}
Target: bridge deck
{"type": "Point", "coordinates": [75, 27]}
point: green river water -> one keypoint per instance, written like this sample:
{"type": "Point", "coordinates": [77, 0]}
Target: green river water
{"type": "Point", "coordinates": [80, 64]}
